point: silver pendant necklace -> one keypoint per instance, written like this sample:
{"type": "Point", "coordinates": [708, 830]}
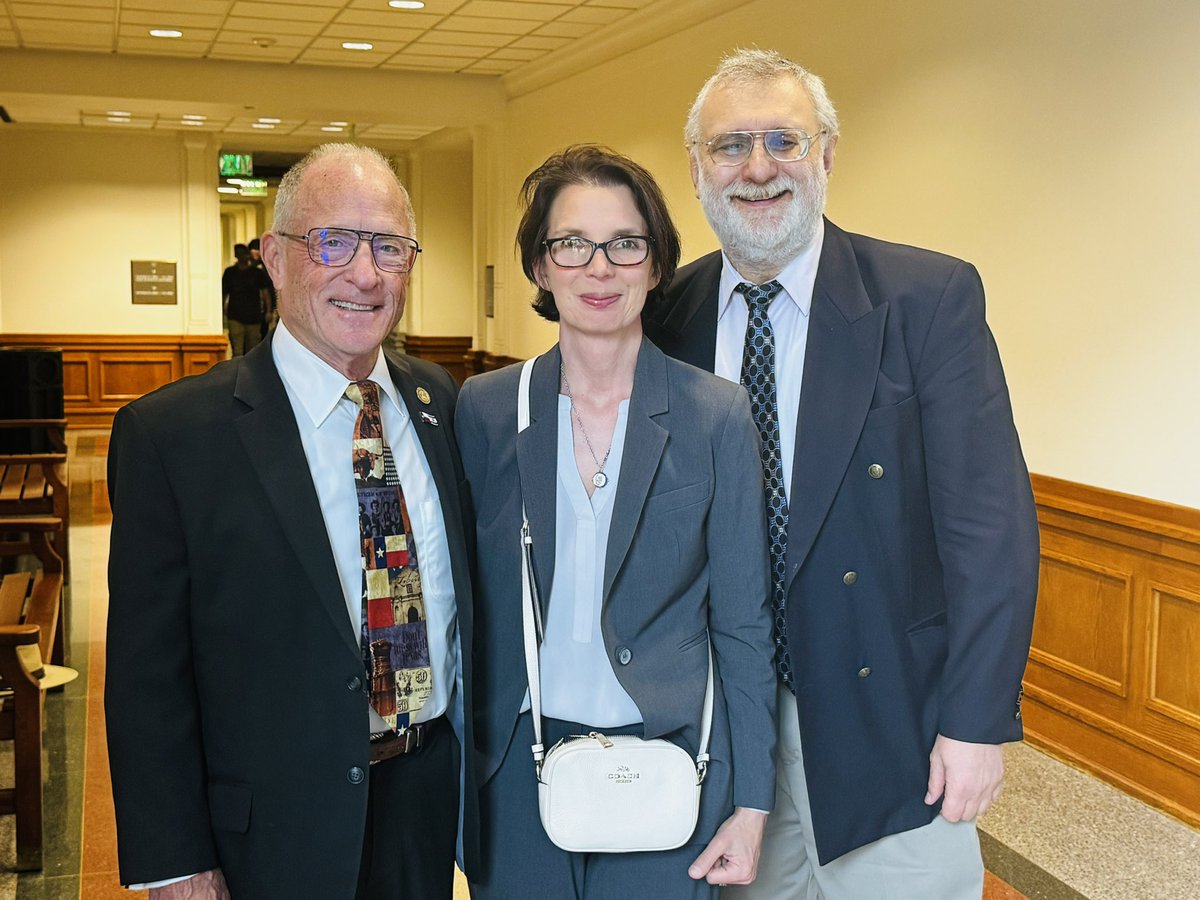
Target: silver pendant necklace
{"type": "Point", "coordinates": [599, 479]}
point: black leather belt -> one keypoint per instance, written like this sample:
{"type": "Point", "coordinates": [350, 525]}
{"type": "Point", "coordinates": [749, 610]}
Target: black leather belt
{"type": "Point", "coordinates": [396, 743]}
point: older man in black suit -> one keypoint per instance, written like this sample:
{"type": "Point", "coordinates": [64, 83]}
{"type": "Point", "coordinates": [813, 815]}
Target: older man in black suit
{"type": "Point", "coordinates": [905, 547]}
{"type": "Point", "coordinates": [275, 731]}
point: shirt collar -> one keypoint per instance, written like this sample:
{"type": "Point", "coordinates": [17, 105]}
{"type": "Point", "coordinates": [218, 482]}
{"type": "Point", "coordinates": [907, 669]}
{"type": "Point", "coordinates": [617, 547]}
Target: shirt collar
{"type": "Point", "coordinates": [797, 277]}
{"type": "Point", "coordinates": [317, 385]}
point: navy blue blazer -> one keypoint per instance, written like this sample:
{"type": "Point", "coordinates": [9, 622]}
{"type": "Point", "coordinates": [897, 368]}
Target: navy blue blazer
{"type": "Point", "coordinates": [912, 558]}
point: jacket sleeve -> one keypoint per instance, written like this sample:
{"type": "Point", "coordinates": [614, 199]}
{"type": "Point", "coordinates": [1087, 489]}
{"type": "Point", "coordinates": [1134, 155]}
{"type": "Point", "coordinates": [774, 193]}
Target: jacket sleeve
{"type": "Point", "coordinates": [739, 605]}
{"type": "Point", "coordinates": [984, 519]}
{"type": "Point", "coordinates": [153, 717]}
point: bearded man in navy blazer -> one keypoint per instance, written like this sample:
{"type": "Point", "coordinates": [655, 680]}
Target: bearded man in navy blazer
{"type": "Point", "coordinates": [909, 548]}
{"type": "Point", "coordinates": [247, 760]}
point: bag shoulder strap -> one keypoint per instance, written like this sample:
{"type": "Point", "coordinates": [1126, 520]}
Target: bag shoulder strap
{"type": "Point", "coordinates": [531, 612]}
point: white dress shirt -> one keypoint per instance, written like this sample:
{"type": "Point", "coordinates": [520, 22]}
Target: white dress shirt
{"type": "Point", "coordinates": [578, 682]}
{"type": "Point", "coordinates": [788, 313]}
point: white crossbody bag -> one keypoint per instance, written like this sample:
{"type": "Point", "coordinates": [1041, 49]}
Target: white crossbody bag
{"type": "Point", "coordinates": [601, 794]}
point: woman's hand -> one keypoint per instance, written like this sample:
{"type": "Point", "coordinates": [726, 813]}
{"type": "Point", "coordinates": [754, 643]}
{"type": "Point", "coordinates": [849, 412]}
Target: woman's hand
{"type": "Point", "coordinates": [731, 857]}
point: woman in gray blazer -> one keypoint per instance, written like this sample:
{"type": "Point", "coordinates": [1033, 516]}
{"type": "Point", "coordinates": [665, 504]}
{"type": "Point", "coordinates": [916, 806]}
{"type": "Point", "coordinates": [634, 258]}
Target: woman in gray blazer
{"type": "Point", "coordinates": [642, 483]}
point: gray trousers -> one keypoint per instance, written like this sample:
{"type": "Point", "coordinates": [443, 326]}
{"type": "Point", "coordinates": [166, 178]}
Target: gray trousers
{"type": "Point", "coordinates": [940, 860]}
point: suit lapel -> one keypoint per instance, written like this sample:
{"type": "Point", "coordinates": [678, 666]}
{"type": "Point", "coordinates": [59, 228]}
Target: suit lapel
{"type": "Point", "coordinates": [845, 341]}
{"type": "Point", "coordinates": [269, 434]}
{"type": "Point", "coordinates": [646, 439]}
{"type": "Point", "coordinates": [686, 325]}
{"type": "Point", "coordinates": [431, 424]}
{"type": "Point", "coordinates": [537, 464]}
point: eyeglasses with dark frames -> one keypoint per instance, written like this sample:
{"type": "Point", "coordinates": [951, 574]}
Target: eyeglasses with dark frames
{"type": "Point", "coordinates": [336, 247]}
{"type": "Point", "coordinates": [575, 252]}
{"type": "Point", "coordinates": [732, 148]}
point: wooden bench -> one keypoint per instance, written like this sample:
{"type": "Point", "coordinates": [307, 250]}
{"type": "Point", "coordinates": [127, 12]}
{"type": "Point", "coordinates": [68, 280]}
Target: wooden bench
{"type": "Point", "coordinates": [36, 483]}
{"type": "Point", "coordinates": [30, 617]}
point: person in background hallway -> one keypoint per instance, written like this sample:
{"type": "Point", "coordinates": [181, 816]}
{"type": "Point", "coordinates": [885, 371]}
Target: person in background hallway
{"type": "Point", "coordinates": [905, 544]}
{"type": "Point", "coordinates": [244, 302]}
{"type": "Point", "coordinates": [254, 755]}
{"type": "Point", "coordinates": [272, 298]}
{"type": "Point", "coordinates": [641, 480]}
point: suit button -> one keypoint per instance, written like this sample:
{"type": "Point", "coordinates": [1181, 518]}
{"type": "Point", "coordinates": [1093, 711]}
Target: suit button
{"type": "Point", "coordinates": [356, 775]}
{"type": "Point", "coordinates": [354, 683]}
{"type": "Point", "coordinates": [864, 671]}
{"type": "Point", "coordinates": [875, 470]}
{"type": "Point", "coordinates": [850, 578]}
{"type": "Point", "coordinates": [624, 655]}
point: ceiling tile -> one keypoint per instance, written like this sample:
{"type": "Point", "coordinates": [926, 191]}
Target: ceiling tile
{"type": "Point", "coordinates": [272, 10]}
{"type": "Point", "coordinates": [622, 4]}
{"type": "Point", "coordinates": [432, 7]}
{"type": "Point", "coordinates": [182, 21]}
{"type": "Point", "coordinates": [381, 15]}
{"type": "Point", "coordinates": [212, 7]}
{"type": "Point", "coordinates": [110, 5]}
{"type": "Point", "coordinates": [65, 42]}
{"type": "Point", "coordinates": [510, 9]}
{"type": "Point", "coordinates": [339, 57]}
{"type": "Point", "coordinates": [517, 54]}
{"type": "Point", "coordinates": [232, 39]}
{"type": "Point", "coordinates": [247, 53]}
{"type": "Point", "coordinates": [428, 63]}
{"type": "Point", "coordinates": [269, 28]}
{"type": "Point", "coordinates": [380, 49]}
{"type": "Point", "coordinates": [493, 67]}
{"type": "Point", "coordinates": [190, 36]}
{"type": "Point", "coordinates": [374, 35]}
{"type": "Point", "coordinates": [465, 38]}
{"type": "Point", "coordinates": [593, 15]}
{"type": "Point", "coordinates": [52, 11]}
{"type": "Point", "coordinates": [47, 30]}
{"type": "Point", "coordinates": [539, 43]}
{"type": "Point", "coordinates": [444, 50]}
{"type": "Point", "coordinates": [565, 29]}
{"type": "Point", "coordinates": [489, 26]}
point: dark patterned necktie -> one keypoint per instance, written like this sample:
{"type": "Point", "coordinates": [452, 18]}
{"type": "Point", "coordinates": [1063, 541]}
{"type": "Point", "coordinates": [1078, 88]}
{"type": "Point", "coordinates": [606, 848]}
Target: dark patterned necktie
{"type": "Point", "coordinates": [758, 377]}
{"type": "Point", "coordinates": [395, 640]}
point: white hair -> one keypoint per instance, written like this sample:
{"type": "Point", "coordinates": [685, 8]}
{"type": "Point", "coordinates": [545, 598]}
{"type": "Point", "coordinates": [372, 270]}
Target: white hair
{"type": "Point", "coordinates": [753, 66]}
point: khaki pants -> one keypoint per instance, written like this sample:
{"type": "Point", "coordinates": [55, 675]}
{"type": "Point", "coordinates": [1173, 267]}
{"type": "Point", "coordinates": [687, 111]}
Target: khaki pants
{"type": "Point", "coordinates": [244, 337]}
{"type": "Point", "coordinates": [940, 861]}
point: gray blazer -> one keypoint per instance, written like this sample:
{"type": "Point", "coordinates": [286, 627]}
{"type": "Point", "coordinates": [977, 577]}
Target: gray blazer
{"type": "Point", "coordinates": [687, 559]}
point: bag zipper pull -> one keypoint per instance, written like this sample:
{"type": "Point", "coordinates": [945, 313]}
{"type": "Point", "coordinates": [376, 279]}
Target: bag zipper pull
{"type": "Point", "coordinates": [604, 742]}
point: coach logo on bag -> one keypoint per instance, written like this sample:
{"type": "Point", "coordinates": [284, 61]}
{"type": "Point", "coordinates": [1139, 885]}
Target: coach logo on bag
{"type": "Point", "coordinates": [623, 775]}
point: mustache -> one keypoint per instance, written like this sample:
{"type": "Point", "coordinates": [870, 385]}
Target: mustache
{"type": "Point", "coordinates": [780, 184]}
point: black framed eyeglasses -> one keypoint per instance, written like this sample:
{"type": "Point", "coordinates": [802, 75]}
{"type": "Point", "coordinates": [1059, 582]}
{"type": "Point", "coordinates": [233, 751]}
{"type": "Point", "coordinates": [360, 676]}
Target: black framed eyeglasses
{"type": "Point", "coordinates": [335, 247]}
{"type": "Point", "coordinates": [732, 148]}
{"type": "Point", "coordinates": [575, 252]}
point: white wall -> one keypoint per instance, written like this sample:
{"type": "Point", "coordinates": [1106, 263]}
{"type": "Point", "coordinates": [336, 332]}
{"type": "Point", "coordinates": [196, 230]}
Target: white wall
{"type": "Point", "coordinates": [1053, 144]}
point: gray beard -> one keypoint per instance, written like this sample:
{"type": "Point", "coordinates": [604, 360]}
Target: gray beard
{"type": "Point", "coordinates": [771, 240]}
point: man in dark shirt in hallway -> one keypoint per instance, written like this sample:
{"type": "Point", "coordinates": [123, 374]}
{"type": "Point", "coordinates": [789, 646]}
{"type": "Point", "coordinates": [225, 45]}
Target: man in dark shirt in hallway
{"type": "Point", "coordinates": [245, 301]}
{"type": "Point", "coordinates": [256, 261]}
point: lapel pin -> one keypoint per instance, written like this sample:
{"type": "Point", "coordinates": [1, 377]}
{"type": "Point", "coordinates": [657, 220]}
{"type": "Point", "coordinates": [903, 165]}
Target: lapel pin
{"type": "Point", "coordinates": [423, 395]}
{"type": "Point", "coordinates": [428, 419]}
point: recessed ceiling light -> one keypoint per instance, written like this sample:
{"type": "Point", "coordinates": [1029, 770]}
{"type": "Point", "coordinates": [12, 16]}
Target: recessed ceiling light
{"type": "Point", "coordinates": [269, 121]}
{"type": "Point", "coordinates": [263, 42]}
{"type": "Point", "coordinates": [336, 128]}
{"type": "Point", "coordinates": [406, 4]}
{"type": "Point", "coordinates": [193, 118]}
{"type": "Point", "coordinates": [118, 119]}
{"type": "Point", "coordinates": [357, 45]}
{"type": "Point", "coordinates": [227, 190]}
{"type": "Point", "coordinates": [118, 112]}
{"type": "Point", "coordinates": [340, 124]}
{"type": "Point", "coordinates": [261, 125]}
{"type": "Point", "coordinates": [190, 122]}
{"type": "Point", "coordinates": [165, 33]}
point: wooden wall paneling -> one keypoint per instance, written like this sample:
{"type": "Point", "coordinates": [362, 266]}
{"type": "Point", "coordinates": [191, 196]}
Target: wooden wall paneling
{"type": "Point", "coordinates": [450, 352]}
{"type": "Point", "coordinates": [1113, 683]}
{"type": "Point", "coordinates": [103, 372]}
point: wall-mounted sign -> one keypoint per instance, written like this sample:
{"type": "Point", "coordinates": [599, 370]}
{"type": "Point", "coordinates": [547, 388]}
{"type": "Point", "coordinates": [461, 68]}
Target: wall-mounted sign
{"type": "Point", "coordinates": [152, 282]}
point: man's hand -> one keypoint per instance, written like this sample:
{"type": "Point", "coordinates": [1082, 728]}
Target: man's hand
{"type": "Point", "coordinates": [731, 857]}
{"type": "Point", "coordinates": [969, 774]}
{"type": "Point", "coordinates": [205, 886]}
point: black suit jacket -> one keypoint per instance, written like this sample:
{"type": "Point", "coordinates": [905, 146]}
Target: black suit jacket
{"type": "Point", "coordinates": [912, 557]}
{"type": "Point", "coordinates": [237, 718]}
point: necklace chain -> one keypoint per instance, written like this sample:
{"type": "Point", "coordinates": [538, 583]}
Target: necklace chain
{"type": "Point", "coordinates": [599, 479]}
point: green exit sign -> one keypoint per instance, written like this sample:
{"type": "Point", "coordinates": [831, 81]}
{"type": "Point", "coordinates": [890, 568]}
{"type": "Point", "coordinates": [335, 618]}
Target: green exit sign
{"type": "Point", "coordinates": [237, 164]}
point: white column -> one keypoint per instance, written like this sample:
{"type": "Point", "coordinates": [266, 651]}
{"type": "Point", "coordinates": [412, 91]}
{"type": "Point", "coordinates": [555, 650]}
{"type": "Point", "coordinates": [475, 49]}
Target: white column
{"type": "Point", "coordinates": [199, 269]}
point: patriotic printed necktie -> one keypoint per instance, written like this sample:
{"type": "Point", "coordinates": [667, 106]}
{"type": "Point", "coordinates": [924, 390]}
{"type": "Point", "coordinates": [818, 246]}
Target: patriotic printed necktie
{"type": "Point", "coordinates": [758, 377]}
{"type": "Point", "coordinates": [395, 639]}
